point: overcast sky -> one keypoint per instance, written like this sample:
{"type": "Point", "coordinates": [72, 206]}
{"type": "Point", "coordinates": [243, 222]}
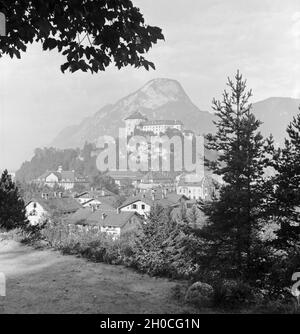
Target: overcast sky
{"type": "Point", "coordinates": [206, 40]}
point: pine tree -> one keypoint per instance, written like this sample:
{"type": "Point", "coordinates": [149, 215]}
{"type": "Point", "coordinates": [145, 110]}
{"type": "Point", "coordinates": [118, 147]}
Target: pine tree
{"type": "Point", "coordinates": [234, 218]}
{"type": "Point", "coordinates": [285, 199]}
{"type": "Point", "coordinates": [12, 207]}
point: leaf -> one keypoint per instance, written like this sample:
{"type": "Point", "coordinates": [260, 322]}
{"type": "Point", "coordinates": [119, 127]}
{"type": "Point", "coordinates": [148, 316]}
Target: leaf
{"type": "Point", "coordinates": [64, 67]}
{"type": "Point", "coordinates": [108, 29]}
{"type": "Point", "coordinates": [18, 54]}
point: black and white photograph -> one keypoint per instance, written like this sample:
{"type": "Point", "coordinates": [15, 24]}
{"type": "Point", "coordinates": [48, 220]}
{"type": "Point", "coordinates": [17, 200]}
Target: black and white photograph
{"type": "Point", "coordinates": [149, 160]}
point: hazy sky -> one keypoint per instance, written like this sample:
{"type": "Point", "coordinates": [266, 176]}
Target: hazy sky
{"type": "Point", "coordinates": [206, 40]}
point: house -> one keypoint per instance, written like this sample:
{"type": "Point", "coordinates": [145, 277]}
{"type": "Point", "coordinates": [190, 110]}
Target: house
{"type": "Point", "coordinates": [145, 201]}
{"type": "Point", "coordinates": [83, 214]}
{"type": "Point", "coordinates": [36, 212]}
{"type": "Point", "coordinates": [154, 180]}
{"type": "Point", "coordinates": [61, 178]}
{"type": "Point", "coordinates": [94, 194]}
{"type": "Point", "coordinates": [42, 208]}
{"type": "Point", "coordinates": [94, 203]}
{"type": "Point", "coordinates": [96, 198]}
{"type": "Point", "coordinates": [161, 126]}
{"type": "Point", "coordinates": [126, 178]}
{"type": "Point", "coordinates": [205, 188]}
{"type": "Point", "coordinates": [114, 223]}
{"type": "Point", "coordinates": [133, 121]}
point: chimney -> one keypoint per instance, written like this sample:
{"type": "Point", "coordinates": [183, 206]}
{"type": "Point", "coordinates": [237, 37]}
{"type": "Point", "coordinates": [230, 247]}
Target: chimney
{"type": "Point", "coordinates": [104, 215]}
{"type": "Point", "coordinates": [60, 195]}
{"type": "Point", "coordinates": [60, 169]}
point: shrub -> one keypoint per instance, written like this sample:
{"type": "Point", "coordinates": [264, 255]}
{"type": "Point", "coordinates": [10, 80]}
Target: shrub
{"type": "Point", "coordinates": [200, 294]}
{"type": "Point", "coordinates": [284, 305]}
{"type": "Point", "coordinates": [230, 294]}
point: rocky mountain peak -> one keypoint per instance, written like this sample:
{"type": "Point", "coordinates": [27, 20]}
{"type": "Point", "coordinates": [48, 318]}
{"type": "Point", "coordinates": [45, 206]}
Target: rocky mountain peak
{"type": "Point", "coordinates": [155, 94]}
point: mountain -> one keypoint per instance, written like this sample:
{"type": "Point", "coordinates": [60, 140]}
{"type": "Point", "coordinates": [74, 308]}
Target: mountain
{"type": "Point", "coordinates": [276, 113]}
{"type": "Point", "coordinates": [166, 99]}
{"type": "Point", "coordinates": [159, 99]}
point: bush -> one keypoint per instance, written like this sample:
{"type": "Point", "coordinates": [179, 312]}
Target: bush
{"type": "Point", "coordinates": [231, 294]}
{"type": "Point", "coordinates": [200, 295]}
{"type": "Point", "coordinates": [284, 305]}
{"type": "Point", "coordinates": [17, 235]}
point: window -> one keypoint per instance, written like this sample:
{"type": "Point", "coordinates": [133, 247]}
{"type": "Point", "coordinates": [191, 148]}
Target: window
{"type": "Point", "coordinates": [134, 206]}
{"type": "Point", "coordinates": [143, 206]}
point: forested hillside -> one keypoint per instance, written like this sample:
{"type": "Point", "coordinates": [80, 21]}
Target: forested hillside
{"type": "Point", "coordinates": [50, 159]}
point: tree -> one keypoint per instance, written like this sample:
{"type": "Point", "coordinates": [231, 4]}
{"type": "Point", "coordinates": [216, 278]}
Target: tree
{"type": "Point", "coordinates": [12, 207]}
{"type": "Point", "coordinates": [90, 34]}
{"type": "Point", "coordinates": [195, 217]}
{"type": "Point", "coordinates": [105, 182]}
{"type": "Point", "coordinates": [234, 218]}
{"type": "Point", "coordinates": [285, 187]}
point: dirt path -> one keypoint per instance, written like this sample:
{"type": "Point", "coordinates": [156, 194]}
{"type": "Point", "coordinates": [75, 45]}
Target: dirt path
{"type": "Point", "coordinates": [48, 282]}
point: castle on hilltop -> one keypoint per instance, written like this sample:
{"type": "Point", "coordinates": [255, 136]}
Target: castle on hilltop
{"type": "Point", "coordinates": [139, 121]}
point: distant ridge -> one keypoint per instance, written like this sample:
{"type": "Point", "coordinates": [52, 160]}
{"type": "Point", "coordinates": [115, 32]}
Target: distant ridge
{"type": "Point", "coordinates": [158, 99]}
{"type": "Point", "coordinates": [276, 113]}
{"type": "Point", "coordinates": [166, 99]}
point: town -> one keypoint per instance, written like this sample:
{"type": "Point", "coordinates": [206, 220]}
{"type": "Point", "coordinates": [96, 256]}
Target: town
{"type": "Point", "coordinates": [150, 160]}
{"type": "Point", "coordinates": [101, 209]}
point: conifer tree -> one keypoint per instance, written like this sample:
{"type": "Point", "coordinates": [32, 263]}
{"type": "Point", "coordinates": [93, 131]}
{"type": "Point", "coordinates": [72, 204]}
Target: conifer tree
{"type": "Point", "coordinates": [12, 207]}
{"type": "Point", "coordinates": [234, 218]}
{"type": "Point", "coordinates": [285, 199]}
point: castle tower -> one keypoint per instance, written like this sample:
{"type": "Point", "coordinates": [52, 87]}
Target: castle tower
{"type": "Point", "coordinates": [134, 121]}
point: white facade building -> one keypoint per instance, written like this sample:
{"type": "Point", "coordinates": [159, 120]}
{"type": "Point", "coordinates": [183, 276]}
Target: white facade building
{"type": "Point", "coordinates": [139, 121]}
{"type": "Point", "coordinates": [61, 178]}
{"type": "Point", "coordinates": [161, 126]}
{"type": "Point", "coordinates": [203, 189]}
{"type": "Point", "coordinates": [139, 206]}
{"type": "Point", "coordinates": [35, 213]}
